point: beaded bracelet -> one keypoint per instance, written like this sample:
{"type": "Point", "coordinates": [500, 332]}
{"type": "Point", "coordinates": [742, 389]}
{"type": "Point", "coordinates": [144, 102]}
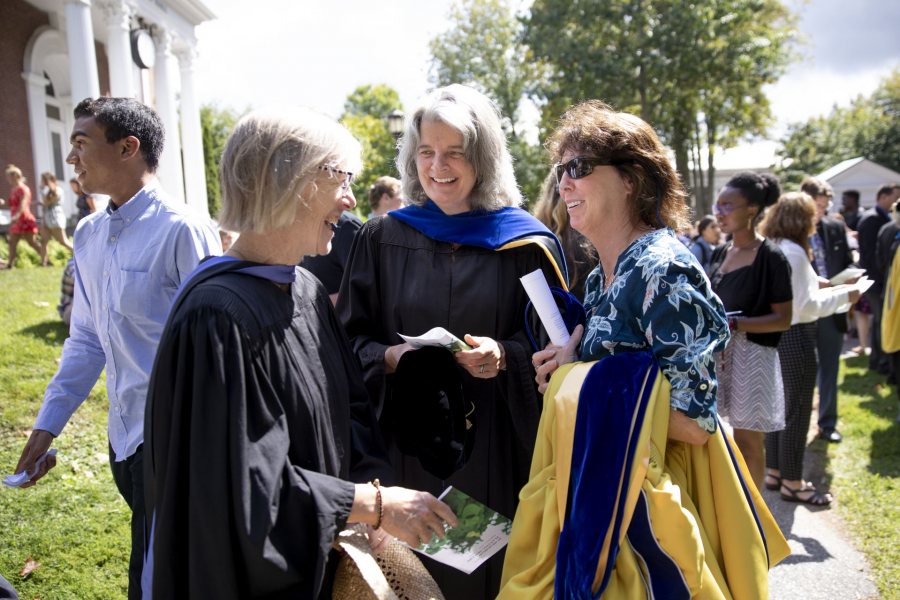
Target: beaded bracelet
{"type": "Point", "coordinates": [379, 507]}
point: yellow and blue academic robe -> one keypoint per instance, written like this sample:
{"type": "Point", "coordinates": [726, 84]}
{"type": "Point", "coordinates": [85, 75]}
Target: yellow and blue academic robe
{"type": "Point", "coordinates": [614, 509]}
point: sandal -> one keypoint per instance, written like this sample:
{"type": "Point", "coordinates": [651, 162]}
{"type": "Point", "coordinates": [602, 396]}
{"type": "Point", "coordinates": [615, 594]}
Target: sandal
{"type": "Point", "coordinates": [773, 482]}
{"type": "Point", "coordinates": [816, 499]}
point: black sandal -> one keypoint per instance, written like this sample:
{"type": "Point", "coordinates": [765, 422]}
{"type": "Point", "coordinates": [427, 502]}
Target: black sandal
{"type": "Point", "coordinates": [773, 482]}
{"type": "Point", "coordinates": [816, 499]}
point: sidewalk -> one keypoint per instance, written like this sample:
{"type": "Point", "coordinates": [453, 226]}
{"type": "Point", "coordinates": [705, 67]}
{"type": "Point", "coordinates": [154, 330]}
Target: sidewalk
{"type": "Point", "coordinates": [824, 565]}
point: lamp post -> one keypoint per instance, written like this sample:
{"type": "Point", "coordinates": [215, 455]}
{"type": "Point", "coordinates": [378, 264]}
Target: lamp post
{"type": "Point", "coordinates": [395, 123]}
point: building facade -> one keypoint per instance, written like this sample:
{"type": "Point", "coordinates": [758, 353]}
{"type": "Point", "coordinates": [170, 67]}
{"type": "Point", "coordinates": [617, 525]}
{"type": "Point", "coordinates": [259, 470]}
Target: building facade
{"type": "Point", "coordinates": [54, 53]}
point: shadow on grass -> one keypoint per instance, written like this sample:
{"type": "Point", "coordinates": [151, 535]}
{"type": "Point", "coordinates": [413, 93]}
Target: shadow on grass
{"type": "Point", "coordinates": [53, 332]}
{"type": "Point", "coordinates": [884, 458]}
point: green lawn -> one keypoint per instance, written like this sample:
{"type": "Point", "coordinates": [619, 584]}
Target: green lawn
{"type": "Point", "coordinates": [866, 470]}
{"type": "Point", "coordinates": [74, 523]}
{"type": "Point", "coordinates": [76, 526]}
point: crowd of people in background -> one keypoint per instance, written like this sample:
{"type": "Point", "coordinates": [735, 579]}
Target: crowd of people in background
{"type": "Point", "coordinates": [37, 222]}
{"type": "Point", "coordinates": [258, 409]}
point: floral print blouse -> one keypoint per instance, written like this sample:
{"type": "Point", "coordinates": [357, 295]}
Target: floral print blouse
{"type": "Point", "coordinates": [660, 299]}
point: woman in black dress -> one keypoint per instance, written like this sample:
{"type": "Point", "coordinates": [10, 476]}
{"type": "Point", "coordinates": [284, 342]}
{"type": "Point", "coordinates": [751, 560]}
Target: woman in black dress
{"type": "Point", "coordinates": [753, 279]}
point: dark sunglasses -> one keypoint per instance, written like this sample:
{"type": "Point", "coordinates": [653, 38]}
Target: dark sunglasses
{"type": "Point", "coordinates": [582, 166]}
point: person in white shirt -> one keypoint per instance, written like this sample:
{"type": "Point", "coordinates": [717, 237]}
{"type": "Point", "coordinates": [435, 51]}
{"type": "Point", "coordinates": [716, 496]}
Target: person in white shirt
{"type": "Point", "coordinates": [791, 222]}
{"type": "Point", "coordinates": [130, 260]}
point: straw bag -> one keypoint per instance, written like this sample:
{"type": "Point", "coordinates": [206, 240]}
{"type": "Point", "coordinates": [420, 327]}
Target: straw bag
{"type": "Point", "coordinates": [394, 573]}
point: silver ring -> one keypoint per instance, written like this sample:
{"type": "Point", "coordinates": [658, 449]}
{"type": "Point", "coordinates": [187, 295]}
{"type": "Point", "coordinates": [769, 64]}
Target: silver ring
{"type": "Point", "coordinates": [482, 369]}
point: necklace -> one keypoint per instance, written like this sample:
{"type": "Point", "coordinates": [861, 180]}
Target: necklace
{"type": "Point", "coordinates": [749, 247]}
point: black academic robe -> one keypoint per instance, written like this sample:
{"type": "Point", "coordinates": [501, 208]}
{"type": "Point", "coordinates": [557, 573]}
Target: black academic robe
{"type": "Point", "coordinates": [257, 417]}
{"type": "Point", "coordinates": [400, 281]}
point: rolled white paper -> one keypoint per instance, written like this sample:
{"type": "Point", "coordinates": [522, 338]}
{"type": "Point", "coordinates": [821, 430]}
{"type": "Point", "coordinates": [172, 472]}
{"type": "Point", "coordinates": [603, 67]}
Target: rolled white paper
{"type": "Point", "coordinates": [536, 287]}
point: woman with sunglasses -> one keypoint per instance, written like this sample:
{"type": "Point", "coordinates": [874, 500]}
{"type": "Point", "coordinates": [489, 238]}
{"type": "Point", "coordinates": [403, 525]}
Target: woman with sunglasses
{"type": "Point", "coordinates": [580, 255]}
{"type": "Point", "coordinates": [453, 259]}
{"type": "Point", "coordinates": [635, 490]}
{"type": "Point", "coordinates": [260, 437]}
{"type": "Point", "coordinates": [752, 277]}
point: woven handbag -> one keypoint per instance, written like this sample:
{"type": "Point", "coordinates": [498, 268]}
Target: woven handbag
{"type": "Point", "coordinates": [393, 573]}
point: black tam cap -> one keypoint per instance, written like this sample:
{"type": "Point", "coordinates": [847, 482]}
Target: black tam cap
{"type": "Point", "coordinates": [431, 419]}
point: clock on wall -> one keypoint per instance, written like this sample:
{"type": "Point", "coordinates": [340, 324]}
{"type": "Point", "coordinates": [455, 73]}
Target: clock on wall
{"type": "Point", "coordinates": [143, 50]}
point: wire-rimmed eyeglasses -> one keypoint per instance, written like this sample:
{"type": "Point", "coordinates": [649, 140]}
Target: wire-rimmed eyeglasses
{"type": "Point", "coordinates": [345, 184]}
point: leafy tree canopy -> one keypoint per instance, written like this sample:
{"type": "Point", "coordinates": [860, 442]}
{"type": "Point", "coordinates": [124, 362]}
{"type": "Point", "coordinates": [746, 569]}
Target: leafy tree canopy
{"type": "Point", "coordinates": [365, 115]}
{"type": "Point", "coordinates": [216, 125]}
{"type": "Point", "coordinates": [869, 127]}
{"type": "Point", "coordinates": [695, 71]}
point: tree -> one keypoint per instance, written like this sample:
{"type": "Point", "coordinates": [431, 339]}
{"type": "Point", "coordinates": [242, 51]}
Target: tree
{"type": "Point", "coordinates": [695, 72]}
{"type": "Point", "coordinates": [483, 49]}
{"type": "Point", "coordinates": [216, 125]}
{"type": "Point", "coordinates": [869, 127]}
{"type": "Point", "coordinates": [365, 112]}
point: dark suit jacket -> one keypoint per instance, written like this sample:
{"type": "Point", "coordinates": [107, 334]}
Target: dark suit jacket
{"type": "Point", "coordinates": [837, 256]}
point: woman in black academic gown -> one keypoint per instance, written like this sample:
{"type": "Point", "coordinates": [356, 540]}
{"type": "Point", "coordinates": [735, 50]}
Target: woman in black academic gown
{"type": "Point", "coordinates": [453, 259]}
{"type": "Point", "coordinates": [258, 422]}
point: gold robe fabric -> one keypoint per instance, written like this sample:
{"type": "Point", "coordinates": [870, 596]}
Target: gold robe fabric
{"type": "Point", "coordinates": [692, 496]}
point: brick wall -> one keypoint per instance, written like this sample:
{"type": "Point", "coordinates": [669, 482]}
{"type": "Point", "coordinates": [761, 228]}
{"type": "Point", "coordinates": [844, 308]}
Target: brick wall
{"type": "Point", "coordinates": [18, 21]}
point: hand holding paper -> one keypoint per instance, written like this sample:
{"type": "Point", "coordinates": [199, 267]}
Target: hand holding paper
{"type": "Point", "coordinates": [20, 478]}
{"type": "Point", "coordinates": [862, 285]}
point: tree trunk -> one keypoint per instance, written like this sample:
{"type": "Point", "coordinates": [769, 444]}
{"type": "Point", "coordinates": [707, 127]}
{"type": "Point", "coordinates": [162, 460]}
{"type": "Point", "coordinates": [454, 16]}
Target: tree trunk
{"type": "Point", "coordinates": [680, 146]}
{"type": "Point", "coordinates": [710, 163]}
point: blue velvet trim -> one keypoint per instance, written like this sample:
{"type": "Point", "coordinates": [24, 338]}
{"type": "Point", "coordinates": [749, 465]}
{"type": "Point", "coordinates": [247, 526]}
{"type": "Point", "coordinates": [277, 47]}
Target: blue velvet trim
{"type": "Point", "coordinates": [604, 447]}
{"type": "Point", "coordinates": [489, 229]}
{"type": "Point", "coordinates": [666, 580]}
{"type": "Point", "coordinates": [744, 488]}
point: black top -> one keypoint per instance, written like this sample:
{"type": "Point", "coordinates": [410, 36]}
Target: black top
{"type": "Point", "coordinates": [884, 248]}
{"type": "Point", "coordinates": [838, 257]}
{"type": "Point", "coordinates": [755, 288]}
{"type": "Point", "coordinates": [81, 204]}
{"type": "Point", "coordinates": [869, 226]}
{"type": "Point", "coordinates": [400, 281]}
{"type": "Point", "coordinates": [257, 417]}
{"type": "Point", "coordinates": [329, 268]}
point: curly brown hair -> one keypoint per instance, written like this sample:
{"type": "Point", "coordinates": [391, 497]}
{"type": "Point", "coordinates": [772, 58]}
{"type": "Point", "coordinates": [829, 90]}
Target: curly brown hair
{"type": "Point", "coordinates": [593, 128]}
{"type": "Point", "coordinates": [792, 218]}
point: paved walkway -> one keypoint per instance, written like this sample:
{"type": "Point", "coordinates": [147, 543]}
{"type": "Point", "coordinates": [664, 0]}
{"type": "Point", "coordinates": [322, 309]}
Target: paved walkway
{"type": "Point", "coordinates": [824, 564]}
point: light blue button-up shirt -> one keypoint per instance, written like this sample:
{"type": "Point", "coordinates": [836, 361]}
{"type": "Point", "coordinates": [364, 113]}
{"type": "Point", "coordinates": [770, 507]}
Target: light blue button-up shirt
{"type": "Point", "coordinates": [129, 264]}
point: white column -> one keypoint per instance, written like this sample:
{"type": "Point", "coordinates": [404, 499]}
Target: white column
{"type": "Point", "coordinates": [41, 153]}
{"type": "Point", "coordinates": [191, 135]}
{"type": "Point", "coordinates": [80, 43]}
{"type": "Point", "coordinates": [118, 47]}
{"type": "Point", "coordinates": [170, 162]}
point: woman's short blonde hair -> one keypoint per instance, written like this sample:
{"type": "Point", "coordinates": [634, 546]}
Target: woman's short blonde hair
{"type": "Point", "coordinates": [474, 116]}
{"type": "Point", "coordinates": [792, 218]}
{"type": "Point", "coordinates": [270, 164]}
{"type": "Point", "coordinates": [594, 129]}
{"type": "Point", "coordinates": [15, 172]}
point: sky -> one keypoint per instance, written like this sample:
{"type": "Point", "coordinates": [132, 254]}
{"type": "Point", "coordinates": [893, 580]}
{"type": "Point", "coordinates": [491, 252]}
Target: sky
{"type": "Point", "coordinates": [316, 52]}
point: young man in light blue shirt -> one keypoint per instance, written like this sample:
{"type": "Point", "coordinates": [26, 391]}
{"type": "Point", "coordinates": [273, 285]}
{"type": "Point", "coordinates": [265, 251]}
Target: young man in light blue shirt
{"type": "Point", "coordinates": [130, 260]}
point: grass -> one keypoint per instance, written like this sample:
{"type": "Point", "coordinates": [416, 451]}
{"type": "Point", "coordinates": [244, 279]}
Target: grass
{"type": "Point", "coordinates": [76, 525]}
{"type": "Point", "coordinates": [866, 470]}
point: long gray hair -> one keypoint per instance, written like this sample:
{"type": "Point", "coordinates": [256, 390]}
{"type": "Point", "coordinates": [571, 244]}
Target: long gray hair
{"type": "Point", "coordinates": [475, 117]}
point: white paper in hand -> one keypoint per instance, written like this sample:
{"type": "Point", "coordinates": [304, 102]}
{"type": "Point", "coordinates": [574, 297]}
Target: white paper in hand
{"type": "Point", "coordinates": [23, 477]}
{"type": "Point", "coordinates": [539, 292]}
